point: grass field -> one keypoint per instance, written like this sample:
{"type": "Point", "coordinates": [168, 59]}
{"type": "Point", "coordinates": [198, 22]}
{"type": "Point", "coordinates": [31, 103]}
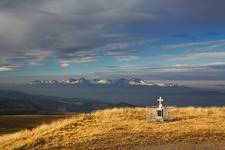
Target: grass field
{"type": "Point", "coordinates": [126, 128]}
{"type": "Point", "coordinates": [14, 123]}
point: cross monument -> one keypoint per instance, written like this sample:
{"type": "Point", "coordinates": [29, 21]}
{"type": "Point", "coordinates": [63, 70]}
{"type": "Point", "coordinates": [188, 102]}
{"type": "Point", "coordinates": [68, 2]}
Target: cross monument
{"type": "Point", "coordinates": [160, 110]}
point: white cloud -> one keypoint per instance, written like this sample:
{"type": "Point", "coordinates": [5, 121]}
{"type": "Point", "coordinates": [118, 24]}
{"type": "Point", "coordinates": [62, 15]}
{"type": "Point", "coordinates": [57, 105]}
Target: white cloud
{"type": "Point", "coordinates": [206, 44]}
{"type": "Point", "coordinates": [64, 65]}
{"type": "Point", "coordinates": [6, 68]}
{"type": "Point", "coordinates": [36, 56]}
{"type": "Point", "coordinates": [80, 59]}
{"type": "Point", "coordinates": [127, 58]}
{"type": "Point", "coordinates": [198, 56]}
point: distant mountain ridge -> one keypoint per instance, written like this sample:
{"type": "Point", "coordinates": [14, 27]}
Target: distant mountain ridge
{"type": "Point", "coordinates": [15, 103]}
{"type": "Point", "coordinates": [117, 82]}
{"type": "Point", "coordinates": [132, 91]}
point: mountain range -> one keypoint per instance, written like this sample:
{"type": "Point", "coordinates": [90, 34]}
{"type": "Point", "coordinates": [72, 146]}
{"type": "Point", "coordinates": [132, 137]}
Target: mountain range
{"type": "Point", "coordinates": [118, 82]}
{"type": "Point", "coordinates": [132, 91]}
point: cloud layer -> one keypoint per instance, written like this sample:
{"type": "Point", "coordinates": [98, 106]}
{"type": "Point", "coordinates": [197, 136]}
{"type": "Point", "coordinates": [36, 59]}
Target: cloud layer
{"type": "Point", "coordinates": [77, 31]}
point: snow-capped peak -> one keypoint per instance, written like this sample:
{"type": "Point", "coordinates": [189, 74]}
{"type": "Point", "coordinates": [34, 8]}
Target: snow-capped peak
{"type": "Point", "coordinates": [135, 81]}
{"type": "Point", "coordinates": [102, 81]}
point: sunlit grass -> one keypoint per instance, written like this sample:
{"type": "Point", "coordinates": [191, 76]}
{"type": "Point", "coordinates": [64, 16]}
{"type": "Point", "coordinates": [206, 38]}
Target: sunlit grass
{"type": "Point", "coordinates": [116, 128]}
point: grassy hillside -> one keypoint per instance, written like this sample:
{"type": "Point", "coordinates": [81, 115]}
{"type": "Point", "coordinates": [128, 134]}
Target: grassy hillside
{"type": "Point", "coordinates": [125, 128]}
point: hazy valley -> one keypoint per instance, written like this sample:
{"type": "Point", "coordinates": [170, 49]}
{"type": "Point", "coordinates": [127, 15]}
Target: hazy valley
{"type": "Point", "coordinates": [132, 91]}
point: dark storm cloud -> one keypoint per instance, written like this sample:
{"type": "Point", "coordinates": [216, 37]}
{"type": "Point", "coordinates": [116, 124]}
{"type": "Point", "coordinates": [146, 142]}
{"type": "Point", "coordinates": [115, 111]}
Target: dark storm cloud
{"type": "Point", "coordinates": [64, 28]}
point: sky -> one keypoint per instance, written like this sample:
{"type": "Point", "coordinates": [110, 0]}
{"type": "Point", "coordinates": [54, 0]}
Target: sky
{"type": "Point", "coordinates": [150, 39]}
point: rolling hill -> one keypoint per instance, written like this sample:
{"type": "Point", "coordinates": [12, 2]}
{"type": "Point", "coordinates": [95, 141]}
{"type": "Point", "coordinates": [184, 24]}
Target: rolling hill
{"type": "Point", "coordinates": [126, 128]}
{"type": "Point", "coordinates": [15, 103]}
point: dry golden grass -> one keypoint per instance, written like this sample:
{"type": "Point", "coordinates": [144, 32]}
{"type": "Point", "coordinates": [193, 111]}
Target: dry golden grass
{"type": "Point", "coordinates": [122, 128]}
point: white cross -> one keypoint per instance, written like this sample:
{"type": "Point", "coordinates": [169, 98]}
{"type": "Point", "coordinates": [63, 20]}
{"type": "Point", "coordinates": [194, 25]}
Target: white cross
{"type": "Point", "coordinates": [160, 100]}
